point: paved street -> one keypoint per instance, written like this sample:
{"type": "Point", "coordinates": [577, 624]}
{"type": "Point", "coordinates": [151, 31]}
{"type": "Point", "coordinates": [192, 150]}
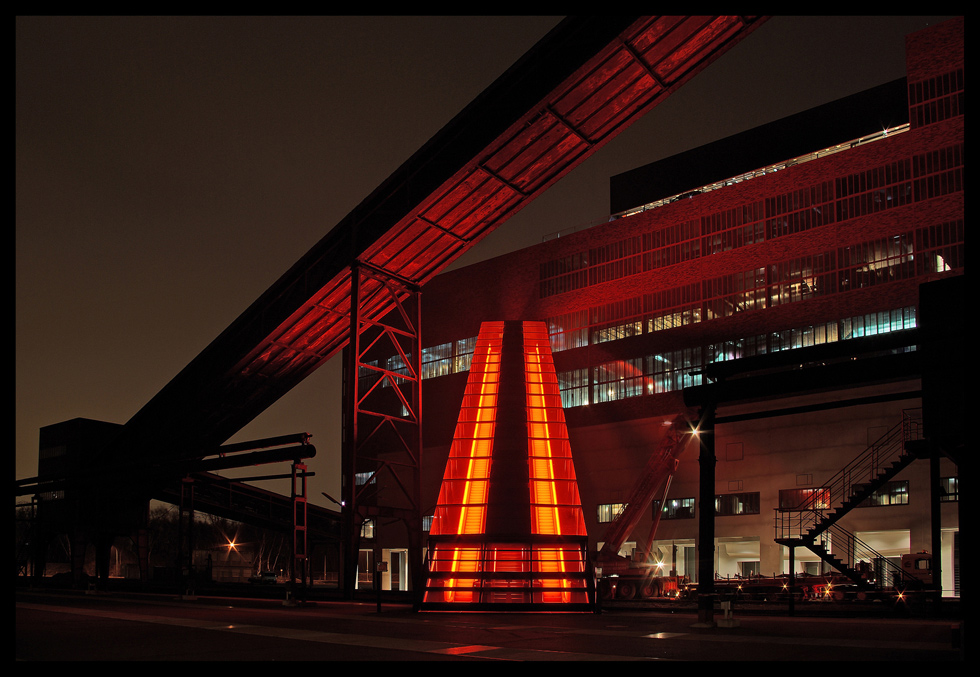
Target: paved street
{"type": "Point", "coordinates": [107, 626]}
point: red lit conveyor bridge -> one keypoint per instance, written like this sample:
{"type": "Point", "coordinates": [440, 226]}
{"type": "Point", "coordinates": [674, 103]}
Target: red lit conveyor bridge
{"type": "Point", "coordinates": [581, 85]}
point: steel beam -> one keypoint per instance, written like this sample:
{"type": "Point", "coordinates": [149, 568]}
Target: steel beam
{"type": "Point", "coordinates": [383, 426]}
{"type": "Point", "coordinates": [579, 87]}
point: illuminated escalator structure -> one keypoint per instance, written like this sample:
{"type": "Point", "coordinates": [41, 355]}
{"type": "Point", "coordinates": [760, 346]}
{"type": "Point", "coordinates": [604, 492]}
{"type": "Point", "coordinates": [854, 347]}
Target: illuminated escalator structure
{"type": "Point", "coordinates": [508, 529]}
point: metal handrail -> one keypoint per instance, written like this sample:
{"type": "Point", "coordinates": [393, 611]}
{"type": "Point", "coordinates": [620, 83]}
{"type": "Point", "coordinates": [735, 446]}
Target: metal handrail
{"type": "Point", "coordinates": [805, 519]}
{"type": "Point", "coordinates": [852, 551]}
{"type": "Point", "coordinates": [807, 525]}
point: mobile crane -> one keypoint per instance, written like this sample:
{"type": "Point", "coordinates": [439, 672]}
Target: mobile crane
{"type": "Point", "coordinates": [639, 576]}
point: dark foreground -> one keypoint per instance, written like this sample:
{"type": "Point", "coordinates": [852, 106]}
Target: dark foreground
{"type": "Point", "coordinates": [104, 626]}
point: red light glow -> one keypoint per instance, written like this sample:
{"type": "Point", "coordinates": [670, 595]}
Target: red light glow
{"type": "Point", "coordinates": [555, 502]}
{"type": "Point", "coordinates": [462, 505]}
{"type": "Point", "coordinates": [466, 563]}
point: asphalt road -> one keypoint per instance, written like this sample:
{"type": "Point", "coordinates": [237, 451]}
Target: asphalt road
{"type": "Point", "coordinates": [76, 626]}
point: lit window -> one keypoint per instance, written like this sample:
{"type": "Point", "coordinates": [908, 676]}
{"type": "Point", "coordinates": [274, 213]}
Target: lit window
{"type": "Point", "coordinates": [893, 493]}
{"type": "Point", "coordinates": [362, 478]}
{"type": "Point", "coordinates": [804, 499]}
{"type": "Point", "coordinates": [737, 504]}
{"type": "Point", "coordinates": [676, 508]}
{"type": "Point", "coordinates": [367, 528]}
{"type": "Point", "coordinates": [950, 488]}
{"type": "Point", "coordinates": [608, 512]}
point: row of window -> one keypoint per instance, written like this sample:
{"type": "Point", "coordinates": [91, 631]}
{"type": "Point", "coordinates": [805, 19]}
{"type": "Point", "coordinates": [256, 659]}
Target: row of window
{"type": "Point", "coordinates": [748, 503]}
{"type": "Point", "coordinates": [741, 503]}
{"type": "Point", "coordinates": [931, 100]}
{"type": "Point", "coordinates": [930, 249]}
{"type": "Point", "coordinates": [668, 371]}
{"type": "Point", "coordinates": [763, 171]}
{"type": "Point", "coordinates": [936, 99]}
{"type": "Point", "coordinates": [679, 369]}
{"type": "Point", "coordinates": [895, 184]}
{"type": "Point", "coordinates": [441, 360]}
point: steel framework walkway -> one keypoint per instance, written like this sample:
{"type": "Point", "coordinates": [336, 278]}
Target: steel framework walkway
{"type": "Point", "coordinates": [575, 90]}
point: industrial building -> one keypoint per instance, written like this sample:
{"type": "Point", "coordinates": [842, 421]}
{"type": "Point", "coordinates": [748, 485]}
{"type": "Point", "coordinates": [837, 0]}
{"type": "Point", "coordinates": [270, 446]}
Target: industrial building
{"type": "Point", "coordinates": [794, 289]}
{"type": "Point", "coordinates": [574, 91]}
{"type": "Point", "coordinates": [758, 357]}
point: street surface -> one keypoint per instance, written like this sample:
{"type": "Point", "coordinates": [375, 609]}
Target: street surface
{"type": "Point", "coordinates": [79, 626]}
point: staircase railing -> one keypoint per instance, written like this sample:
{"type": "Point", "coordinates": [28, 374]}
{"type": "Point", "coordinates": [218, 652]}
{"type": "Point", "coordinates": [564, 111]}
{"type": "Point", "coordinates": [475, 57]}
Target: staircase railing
{"type": "Point", "coordinates": [856, 559]}
{"type": "Point", "coordinates": [852, 484]}
{"type": "Point", "coordinates": [813, 523]}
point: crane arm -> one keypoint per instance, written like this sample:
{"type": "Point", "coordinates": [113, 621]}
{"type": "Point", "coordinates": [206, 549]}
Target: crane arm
{"type": "Point", "coordinates": [657, 473]}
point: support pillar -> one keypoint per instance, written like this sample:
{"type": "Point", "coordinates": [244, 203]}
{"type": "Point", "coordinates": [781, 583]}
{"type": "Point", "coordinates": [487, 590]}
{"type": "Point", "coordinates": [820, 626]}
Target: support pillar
{"type": "Point", "coordinates": [185, 535]}
{"type": "Point", "coordinates": [299, 568]}
{"type": "Point", "coordinates": [792, 579]}
{"type": "Point", "coordinates": [40, 539]}
{"type": "Point", "coordinates": [935, 508]}
{"type": "Point", "coordinates": [706, 516]}
{"type": "Point", "coordinates": [382, 414]}
{"type": "Point", "coordinates": [103, 555]}
{"type": "Point", "coordinates": [79, 544]}
{"type": "Point", "coordinates": [141, 540]}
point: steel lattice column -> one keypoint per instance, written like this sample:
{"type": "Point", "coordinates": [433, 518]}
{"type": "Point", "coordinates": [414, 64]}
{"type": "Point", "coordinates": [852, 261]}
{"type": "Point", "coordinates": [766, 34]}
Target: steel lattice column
{"type": "Point", "coordinates": [382, 445]}
{"type": "Point", "coordinates": [300, 568]}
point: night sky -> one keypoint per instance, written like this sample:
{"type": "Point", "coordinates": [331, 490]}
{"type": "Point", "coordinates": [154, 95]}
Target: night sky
{"type": "Point", "coordinates": [169, 170]}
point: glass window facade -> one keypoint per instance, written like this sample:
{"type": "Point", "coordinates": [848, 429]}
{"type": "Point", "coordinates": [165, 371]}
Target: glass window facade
{"type": "Point", "coordinates": [679, 369]}
{"type": "Point", "coordinates": [804, 499]}
{"type": "Point", "coordinates": [920, 177]}
{"type": "Point", "coordinates": [675, 509]}
{"type": "Point", "coordinates": [934, 249]}
{"type": "Point", "coordinates": [950, 489]}
{"type": "Point", "coordinates": [608, 512]}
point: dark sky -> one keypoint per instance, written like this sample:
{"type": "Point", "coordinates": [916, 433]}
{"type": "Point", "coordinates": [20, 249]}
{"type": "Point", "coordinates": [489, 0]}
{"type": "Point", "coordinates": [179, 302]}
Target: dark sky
{"type": "Point", "coordinates": [169, 170]}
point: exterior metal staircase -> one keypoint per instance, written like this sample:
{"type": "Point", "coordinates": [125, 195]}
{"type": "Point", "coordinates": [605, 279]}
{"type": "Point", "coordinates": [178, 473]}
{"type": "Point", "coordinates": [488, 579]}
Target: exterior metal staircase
{"type": "Point", "coordinates": [814, 523]}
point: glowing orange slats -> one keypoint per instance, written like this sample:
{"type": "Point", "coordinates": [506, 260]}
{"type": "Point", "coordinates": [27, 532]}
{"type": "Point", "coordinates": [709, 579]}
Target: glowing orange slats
{"type": "Point", "coordinates": [487, 570]}
{"type": "Point", "coordinates": [555, 504]}
{"type": "Point", "coordinates": [470, 457]}
{"type": "Point", "coordinates": [544, 500]}
{"type": "Point", "coordinates": [462, 505]}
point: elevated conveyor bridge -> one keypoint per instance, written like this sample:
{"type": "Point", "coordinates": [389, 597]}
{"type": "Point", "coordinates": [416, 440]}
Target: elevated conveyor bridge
{"type": "Point", "coordinates": [582, 84]}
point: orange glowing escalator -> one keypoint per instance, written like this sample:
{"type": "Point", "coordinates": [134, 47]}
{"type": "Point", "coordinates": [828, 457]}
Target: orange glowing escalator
{"type": "Point", "coordinates": [508, 529]}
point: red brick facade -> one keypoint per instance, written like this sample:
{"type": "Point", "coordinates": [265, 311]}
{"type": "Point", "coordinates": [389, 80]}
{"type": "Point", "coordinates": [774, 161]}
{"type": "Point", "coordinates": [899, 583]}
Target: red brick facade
{"type": "Point", "coordinates": [817, 246]}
